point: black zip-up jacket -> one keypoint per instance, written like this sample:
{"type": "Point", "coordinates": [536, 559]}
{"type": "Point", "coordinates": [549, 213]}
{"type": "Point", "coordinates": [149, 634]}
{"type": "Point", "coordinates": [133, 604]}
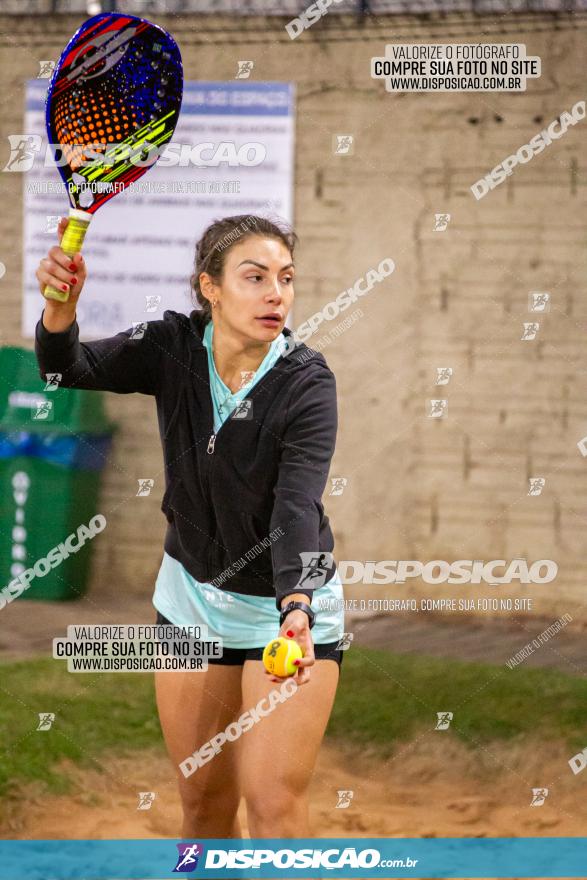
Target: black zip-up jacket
{"type": "Point", "coordinates": [253, 488]}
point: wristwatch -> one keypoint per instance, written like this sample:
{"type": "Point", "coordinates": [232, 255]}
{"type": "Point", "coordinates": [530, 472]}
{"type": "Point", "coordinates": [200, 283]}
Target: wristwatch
{"type": "Point", "coordinates": [292, 606]}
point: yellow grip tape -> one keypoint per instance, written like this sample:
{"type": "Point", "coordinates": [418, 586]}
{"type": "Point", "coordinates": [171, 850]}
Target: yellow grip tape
{"type": "Point", "coordinates": [71, 243]}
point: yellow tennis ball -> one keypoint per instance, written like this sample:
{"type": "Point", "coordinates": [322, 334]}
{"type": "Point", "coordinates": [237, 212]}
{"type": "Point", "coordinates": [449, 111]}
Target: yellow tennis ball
{"type": "Point", "coordinates": [279, 654]}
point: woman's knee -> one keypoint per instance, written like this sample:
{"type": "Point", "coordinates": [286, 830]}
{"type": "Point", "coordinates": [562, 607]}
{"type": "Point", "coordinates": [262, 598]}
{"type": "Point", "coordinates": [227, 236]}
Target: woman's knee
{"type": "Point", "coordinates": [277, 809]}
{"type": "Point", "coordinates": [214, 796]}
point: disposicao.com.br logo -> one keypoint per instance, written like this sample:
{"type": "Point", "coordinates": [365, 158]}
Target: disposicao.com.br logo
{"type": "Point", "coordinates": [331, 859]}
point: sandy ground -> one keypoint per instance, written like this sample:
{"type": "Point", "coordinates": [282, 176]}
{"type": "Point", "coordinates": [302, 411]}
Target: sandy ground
{"type": "Point", "coordinates": [429, 788]}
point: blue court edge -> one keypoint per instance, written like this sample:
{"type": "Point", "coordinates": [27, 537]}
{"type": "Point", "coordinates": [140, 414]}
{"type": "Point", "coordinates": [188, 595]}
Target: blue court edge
{"type": "Point", "coordinates": [152, 859]}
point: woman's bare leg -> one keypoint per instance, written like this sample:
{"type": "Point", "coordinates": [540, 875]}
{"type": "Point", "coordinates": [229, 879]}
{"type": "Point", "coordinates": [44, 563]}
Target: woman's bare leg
{"type": "Point", "coordinates": [279, 752]}
{"type": "Point", "coordinates": [193, 707]}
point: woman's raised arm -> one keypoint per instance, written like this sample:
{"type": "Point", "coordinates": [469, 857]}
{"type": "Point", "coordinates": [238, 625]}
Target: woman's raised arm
{"type": "Point", "coordinates": [129, 361]}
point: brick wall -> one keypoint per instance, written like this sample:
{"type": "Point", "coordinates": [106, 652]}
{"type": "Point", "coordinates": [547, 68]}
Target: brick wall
{"type": "Point", "coordinates": [418, 488]}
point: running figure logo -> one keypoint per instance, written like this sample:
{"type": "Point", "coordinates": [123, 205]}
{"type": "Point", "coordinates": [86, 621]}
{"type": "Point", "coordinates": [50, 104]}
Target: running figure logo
{"type": "Point", "coordinates": [46, 68]}
{"type": "Point", "coordinates": [46, 719]}
{"type": "Point", "coordinates": [338, 485]}
{"type": "Point", "coordinates": [538, 301]}
{"type": "Point", "coordinates": [23, 148]}
{"type": "Point", "coordinates": [530, 330]}
{"type": "Point", "coordinates": [244, 69]}
{"type": "Point", "coordinates": [441, 222]}
{"type": "Point", "coordinates": [146, 799]}
{"type": "Point", "coordinates": [43, 411]}
{"type": "Point", "coordinates": [444, 719]}
{"type": "Point", "coordinates": [443, 375]}
{"type": "Point", "coordinates": [345, 643]}
{"type": "Point", "coordinates": [138, 329]}
{"type": "Point", "coordinates": [343, 146]}
{"type": "Point", "coordinates": [187, 861]}
{"type": "Point", "coordinates": [315, 568]}
{"type": "Point", "coordinates": [243, 410]}
{"type": "Point", "coordinates": [344, 799]}
{"type": "Point", "coordinates": [53, 380]}
{"type": "Point", "coordinates": [145, 486]}
{"type": "Point", "coordinates": [539, 795]}
{"type": "Point", "coordinates": [537, 484]}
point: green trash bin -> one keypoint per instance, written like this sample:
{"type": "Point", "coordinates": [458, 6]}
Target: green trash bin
{"type": "Point", "coordinates": [54, 443]}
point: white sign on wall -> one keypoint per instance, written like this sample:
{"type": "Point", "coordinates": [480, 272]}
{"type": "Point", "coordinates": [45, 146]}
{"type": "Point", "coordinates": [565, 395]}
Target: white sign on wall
{"type": "Point", "coordinates": [231, 153]}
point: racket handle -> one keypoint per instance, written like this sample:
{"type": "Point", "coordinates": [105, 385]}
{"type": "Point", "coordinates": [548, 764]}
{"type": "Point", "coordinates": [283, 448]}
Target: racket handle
{"type": "Point", "coordinates": [71, 244]}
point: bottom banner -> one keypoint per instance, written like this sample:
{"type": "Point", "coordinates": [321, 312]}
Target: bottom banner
{"type": "Point", "coordinates": [304, 858]}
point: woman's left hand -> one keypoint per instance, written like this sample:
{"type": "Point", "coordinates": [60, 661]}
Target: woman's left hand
{"type": "Point", "coordinates": [297, 626]}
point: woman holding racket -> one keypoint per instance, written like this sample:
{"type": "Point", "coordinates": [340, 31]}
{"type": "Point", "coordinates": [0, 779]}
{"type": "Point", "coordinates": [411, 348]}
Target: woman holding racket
{"type": "Point", "coordinates": [248, 424]}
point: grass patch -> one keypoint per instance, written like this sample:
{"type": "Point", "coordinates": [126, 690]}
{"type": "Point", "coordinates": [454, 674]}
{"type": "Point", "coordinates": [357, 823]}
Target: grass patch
{"type": "Point", "coordinates": [93, 713]}
{"type": "Point", "coordinates": [383, 698]}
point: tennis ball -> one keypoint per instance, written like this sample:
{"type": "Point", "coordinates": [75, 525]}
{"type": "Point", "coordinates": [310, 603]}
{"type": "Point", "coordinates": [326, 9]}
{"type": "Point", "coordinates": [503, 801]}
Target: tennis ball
{"type": "Point", "coordinates": [279, 654]}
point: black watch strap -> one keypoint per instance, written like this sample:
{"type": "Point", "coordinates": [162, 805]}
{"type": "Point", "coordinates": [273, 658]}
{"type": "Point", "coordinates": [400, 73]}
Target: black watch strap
{"type": "Point", "coordinates": [302, 606]}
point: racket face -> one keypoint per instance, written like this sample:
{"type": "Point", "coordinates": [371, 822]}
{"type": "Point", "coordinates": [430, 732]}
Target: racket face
{"type": "Point", "coordinates": [114, 97]}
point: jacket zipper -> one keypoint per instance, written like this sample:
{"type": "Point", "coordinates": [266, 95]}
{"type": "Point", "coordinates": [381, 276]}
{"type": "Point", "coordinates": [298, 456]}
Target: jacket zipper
{"type": "Point", "coordinates": [210, 451]}
{"type": "Point", "coordinates": [212, 444]}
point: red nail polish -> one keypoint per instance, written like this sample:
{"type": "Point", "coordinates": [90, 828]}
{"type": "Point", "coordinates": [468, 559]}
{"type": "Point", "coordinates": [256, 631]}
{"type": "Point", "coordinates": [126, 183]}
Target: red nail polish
{"type": "Point", "coordinates": [64, 287]}
{"type": "Point", "coordinates": [289, 634]}
{"type": "Point", "coordinates": [74, 280]}
{"type": "Point", "coordinates": [296, 663]}
{"type": "Point", "coordinates": [72, 267]}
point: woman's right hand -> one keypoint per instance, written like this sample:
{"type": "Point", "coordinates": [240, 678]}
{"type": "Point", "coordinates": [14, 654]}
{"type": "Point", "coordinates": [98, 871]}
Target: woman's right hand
{"type": "Point", "coordinates": [63, 272]}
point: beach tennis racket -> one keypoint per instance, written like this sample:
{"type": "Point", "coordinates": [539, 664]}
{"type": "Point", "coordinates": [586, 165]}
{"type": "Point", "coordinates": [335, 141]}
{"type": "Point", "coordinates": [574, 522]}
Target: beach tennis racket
{"type": "Point", "coordinates": [112, 104]}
